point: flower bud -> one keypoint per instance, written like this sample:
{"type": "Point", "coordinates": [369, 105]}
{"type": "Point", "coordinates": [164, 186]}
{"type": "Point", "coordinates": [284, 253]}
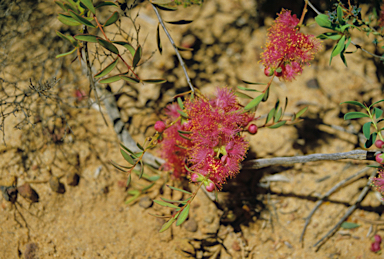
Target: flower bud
{"type": "Point", "coordinates": [380, 158]}
{"type": "Point", "coordinates": [375, 247]}
{"type": "Point", "coordinates": [279, 72]}
{"type": "Point", "coordinates": [160, 126]}
{"type": "Point", "coordinates": [210, 187]}
{"type": "Point", "coordinates": [377, 239]}
{"type": "Point", "coordinates": [379, 143]}
{"type": "Point", "coordinates": [268, 71]}
{"type": "Point", "coordinates": [252, 129]}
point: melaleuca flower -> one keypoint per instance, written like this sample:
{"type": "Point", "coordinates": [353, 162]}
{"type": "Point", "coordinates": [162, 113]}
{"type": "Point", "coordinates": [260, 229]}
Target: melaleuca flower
{"type": "Point", "coordinates": [378, 182]}
{"type": "Point", "coordinates": [215, 147]}
{"type": "Point", "coordinates": [288, 50]}
{"type": "Point", "coordinates": [381, 18]}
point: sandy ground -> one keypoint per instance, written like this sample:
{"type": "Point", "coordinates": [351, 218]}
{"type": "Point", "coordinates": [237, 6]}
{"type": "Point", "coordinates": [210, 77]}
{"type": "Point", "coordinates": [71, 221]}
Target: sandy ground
{"type": "Point", "coordinates": [255, 217]}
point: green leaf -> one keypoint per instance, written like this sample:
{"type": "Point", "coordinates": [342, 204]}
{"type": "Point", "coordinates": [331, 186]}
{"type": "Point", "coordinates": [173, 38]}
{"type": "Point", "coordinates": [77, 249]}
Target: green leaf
{"type": "Point", "coordinates": [61, 5]}
{"type": "Point", "coordinates": [376, 103]}
{"type": "Point", "coordinates": [120, 167]}
{"type": "Point", "coordinates": [127, 46]}
{"type": "Point", "coordinates": [182, 114]}
{"type": "Point", "coordinates": [354, 103]}
{"type": "Point", "coordinates": [179, 22]}
{"type": "Point", "coordinates": [135, 193]}
{"type": "Point", "coordinates": [137, 56]}
{"type": "Point", "coordinates": [254, 102]}
{"type": "Point", "coordinates": [86, 37]}
{"type": "Point", "coordinates": [127, 157]}
{"type": "Point", "coordinates": [374, 166]}
{"type": "Point", "coordinates": [371, 140]}
{"type": "Point", "coordinates": [65, 54]}
{"type": "Point", "coordinates": [140, 146]}
{"type": "Point", "coordinates": [242, 95]}
{"type": "Point", "coordinates": [340, 15]}
{"type": "Point", "coordinates": [183, 49]}
{"type": "Point", "coordinates": [184, 137]}
{"type": "Point", "coordinates": [281, 123]}
{"type": "Point", "coordinates": [164, 8]}
{"type": "Point", "coordinates": [278, 115]}
{"type": "Point", "coordinates": [248, 89]}
{"type": "Point", "coordinates": [146, 188]}
{"type": "Point", "coordinates": [378, 112]}
{"type": "Point", "coordinates": [349, 225]}
{"type": "Point", "coordinates": [67, 20]}
{"type": "Point", "coordinates": [81, 19]}
{"type": "Point", "coordinates": [270, 115]}
{"type": "Point", "coordinates": [251, 83]}
{"type": "Point", "coordinates": [154, 81]}
{"type": "Point", "coordinates": [106, 4]}
{"type": "Point", "coordinates": [343, 28]}
{"type": "Point", "coordinates": [158, 40]}
{"type": "Point", "coordinates": [65, 37]}
{"type": "Point", "coordinates": [339, 47]}
{"type": "Point", "coordinates": [167, 225]}
{"type": "Point", "coordinates": [183, 215]}
{"type": "Point", "coordinates": [166, 204]}
{"type": "Point", "coordinates": [89, 5]}
{"type": "Point", "coordinates": [188, 169]}
{"type": "Point", "coordinates": [175, 201]}
{"type": "Point", "coordinates": [301, 112]}
{"type": "Point", "coordinates": [112, 19]}
{"type": "Point", "coordinates": [128, 180]}
{"type": "Point", "coordinates": [108, 45]}
{"type": "Point", "coordinates": [177, 189]}
{"type": "Point", "coordinates": [130, 79]}
{"type": "Point", "coordinates": [266, 95]}
{"type": "Point", "coordinates": [355, 115]}
{"type": "Point", "coordinates": [367, 129]}
{"type": "Point", "coordinates": [180, 102]}
{"type": "Point", "coordinates": [323, 21]}
{"type": "Point", "coordinates": [107, 69]}
{"type": "Point", "coordinates": [110, 79]}
{"type": "Point", "coordinates": [329, 35]}
{"type": "Point", "coordinates": [69, 7]}
{"type": "Point", "coordinates": [141, 168]}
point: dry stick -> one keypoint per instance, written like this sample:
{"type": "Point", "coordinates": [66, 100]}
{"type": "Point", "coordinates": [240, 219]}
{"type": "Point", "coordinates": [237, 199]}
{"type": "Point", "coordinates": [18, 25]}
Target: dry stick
{"type": "Point", "coordinates": [91, 81]}
{"type": "Point", "coordinates": [174, 46]}
{"type": "Point", "coordinates": [349, 211]}
{"type": "Point", "coordinates": [355, 154]}
{"type": "Point", "coordinates": [334, 188]}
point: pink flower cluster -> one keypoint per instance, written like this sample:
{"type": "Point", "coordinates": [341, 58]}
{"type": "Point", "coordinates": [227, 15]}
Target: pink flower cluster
{"type": "Point", "coordinates": [378, 182]}
{"type": "Point", "coordinates": [287, 50]}
{"type": "Point", "coordinates": [215, 147]}
{"type": "Point", "coordinates": [381, 18]}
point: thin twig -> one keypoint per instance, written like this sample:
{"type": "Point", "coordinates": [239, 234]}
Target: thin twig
{"type": "Point", "coordinates": [366, 51]}
{"type": "Point", "coordinates": [313, 7]}
{"type": "Point", "coordinates": [349, 211]}
{"type": "Point", "coordinates": [322, 199]}
{"type": "Point", "coordinates": [174, 46]}
{"type": "Point", "coordinates": [355, 154]}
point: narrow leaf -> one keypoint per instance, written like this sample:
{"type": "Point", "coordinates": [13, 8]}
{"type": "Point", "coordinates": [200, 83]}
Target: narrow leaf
{"type": "Point", "coordinates": [180, 102]}
{"type": "Point", "coordinates": [349, 225]}
{"type": "Point", "coordinates": [65, 54]}
{"type": "Point", "coordinates": [254, 102]}
{"type": "Point", "coordinates": [166, 204]}
{"type": "Point", "coordinates": [184, 137]}
{"type": "Point", "coordinates": [65, 37]}
{"type": "Point", "coordinates": [371, 140]}
{"type": "Point", "coordinates": [180, 22]}
{"type": "Point", "coordinates": [140, 146]}
{"type": "Point", "coordinates": [184, 132]}
{"type": "Point", "coordinates": [183, 215]}
{"type": "Point", "coordinates": [141, 168]}
{"type": "Point", "coordinates": [281, 123]}
{"type": "Point", "coordinates": [120, 167]}
{"type": "Point", "coordinates": [130, 79]}
{"type": "Point", "coordinates": [270, 115]}
{"type": "Point", "coordinates": [110, 79]}
{"type": "Point", "coordinates": [107, 69]}
{"type": "Point", "coordinates": [61, 5]}
{"type": "Point", "coordinates": [355, 115]}
{"type": "Point", "coordinates": [146, 188]}
{"type": "Point", "coordinates": [174, 201]}
{"type": "Point", "coordinates": [376, 103]}
{"type": "Point", "coordinates": [354, 103]}
{"type": "Point", "coordinates": [278, 114]}
{"type": "Point", "coordinates": [128, 180]}
{"type": "Point", "coordinates": [154, 81]}
{"type": "Point", "coordinates": [301, 112]}
{"type": "Point", "coordinates": [167, 225]}
{"type": "Point", "coordinates": [137, 56]}
{"type": "Point", "coordinates": [248, 89]}
{"type": "Point", "coordinates": [158, 40]}
{"type": "Point", "coordinates": [367, 129]}
{"type": "Point", "coordinates": [127, 46]}
{"type": "Point", "coordinates": [81, 19]}
{"type": "Point", "coordinates": [339, 47]}
{"type": "Point", "coordinates": [67, 20]}
{"type": "Point", "coordinates": [182, 114]}
{"type": "Point", "coordinates": [251, 83]}
{"type": "Point", "coordinates": [112, 19]}
{"type": "Point", "coordinates": [378, 112]}
{"type": "Point", "coordinates": [106, 4]}
{"type": "Point", "coordinates": [165, 8]}
{"type": "Point", "coordinates": [108, 45]}
{"type": "Point", "coordinates": [86, 37]}
{"type": "Point", "coordinates": [242, 95]}
{"type": "Point", "coordinates": [127, 157]}
{"type": "Point", "coordinates": [89, 5]}
{"type": "Point", "coordinates": [177, 189]}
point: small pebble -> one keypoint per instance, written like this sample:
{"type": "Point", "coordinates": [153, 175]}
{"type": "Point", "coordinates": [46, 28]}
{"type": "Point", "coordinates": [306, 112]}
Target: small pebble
{"type": "Point", "coordinates": [313, 83]}
{"type": "Point", "coordinates": [28, 193]}
{"type": "Point", "coordinates": [145, 202]}
{"type": "Point", "coordinates": [190, 225]}
{"type": "Point", "coordinates": [56, 185]}
{"type": "Point", "coordinates": [236, 246]}
{"type": "Point", "coordinates": [30, 251]}
{"type": "Point", "coordinates": [73, 179]}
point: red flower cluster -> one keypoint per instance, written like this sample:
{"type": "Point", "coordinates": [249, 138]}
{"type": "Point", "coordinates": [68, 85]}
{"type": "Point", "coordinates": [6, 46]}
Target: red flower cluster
{"type": "Point", "coordinates": [378, 182]}
{"type": "Point", "coordinates": [381, 18]}
{"type": "Point", "coordinates": [287, 50]}
{"type": "Point", "coordinates": [215, 147]}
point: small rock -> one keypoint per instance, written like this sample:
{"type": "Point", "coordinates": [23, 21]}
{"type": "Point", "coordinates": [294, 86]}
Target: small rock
{"type": "Point", "coordinates": [190, 225]}
{"type": "Point", "coordinates": [145, 202]}
{"type": "Point", "coordinates": [236, 246]}
{"type": "Point", "coordinates": [9, 193]}
{"type": "Point", "coordinates": [186, 248]}
{"type": "Point", "coordinates": [56, 185]}
{"type": "Point", "coordinates": [28, 193]}
{"type": "Point", "coordinates": [73, 179]}
{"type": "Point", "coordinates": [30, 251]}
{"type": "Point", "coordinates": [313, 83]}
